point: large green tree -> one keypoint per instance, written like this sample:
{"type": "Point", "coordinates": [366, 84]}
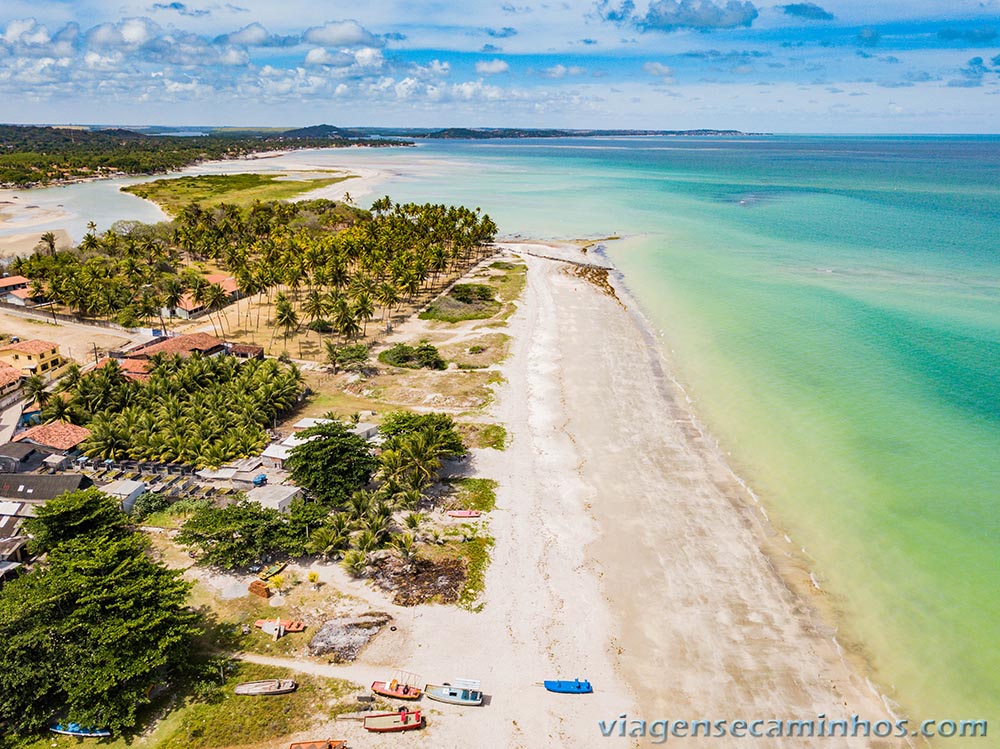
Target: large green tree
{"type": "Point", "coordinates": [85, 634]}
{"type": "Point", "coordinates": [236, 535]}
{"type": "Point", "coordinates": [87, 513]}
{"type": "Point", "coordinates": [332, 464]}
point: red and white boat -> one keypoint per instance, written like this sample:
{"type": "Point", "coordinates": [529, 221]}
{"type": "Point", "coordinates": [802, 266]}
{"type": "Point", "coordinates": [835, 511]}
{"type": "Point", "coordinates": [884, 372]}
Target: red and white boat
{"type": "Point", "coordinates": [404, 720]}
{"type": "Point", "coordinates": [289, 625]}
{"type": "Point", "coordinates": [402, 686]}
{"type": "Point", "coordinates": [464, 513]}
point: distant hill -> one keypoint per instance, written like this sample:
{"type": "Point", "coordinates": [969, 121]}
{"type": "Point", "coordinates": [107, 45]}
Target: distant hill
{"type": "Point", "coordinates": [485, 133]}
{"type": "Point", "coordinates": [321, 131]}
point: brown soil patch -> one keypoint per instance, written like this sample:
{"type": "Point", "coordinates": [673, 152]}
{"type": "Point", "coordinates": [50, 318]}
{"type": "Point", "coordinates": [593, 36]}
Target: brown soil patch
{"type": "Point", "coordinates": [423, 581]}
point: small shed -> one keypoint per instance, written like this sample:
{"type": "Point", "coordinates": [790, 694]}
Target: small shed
{"type": "Point", "coordinates": [56, 462]}
{"type": "Point", "coordinates": [125, 491]}
{"type": "Point", "coordinates": [274, 496]}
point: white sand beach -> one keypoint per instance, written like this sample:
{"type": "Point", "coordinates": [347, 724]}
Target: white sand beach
{"type": "Point", "coordinates": [625, 553]}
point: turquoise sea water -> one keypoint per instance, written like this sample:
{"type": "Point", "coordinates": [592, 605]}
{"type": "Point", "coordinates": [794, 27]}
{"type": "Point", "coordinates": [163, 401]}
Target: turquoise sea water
{"type": "Point", "coordinates": [832, 306]}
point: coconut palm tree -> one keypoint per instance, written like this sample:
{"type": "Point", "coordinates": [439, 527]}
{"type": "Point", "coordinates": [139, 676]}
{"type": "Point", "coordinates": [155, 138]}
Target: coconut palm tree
{"type": "Point", "coordinates": [35, 392]}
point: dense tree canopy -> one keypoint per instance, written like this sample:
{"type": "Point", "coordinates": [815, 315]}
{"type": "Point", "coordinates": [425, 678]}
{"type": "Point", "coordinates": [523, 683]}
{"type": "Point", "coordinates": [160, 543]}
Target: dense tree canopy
{"type": "Point", "coordinates": [85, 634]}
{"type": "Point", "coordinates": [87, 513]}
{"type": "Point", "coordinates": [332, 464]}
{"type": "Point", "coordinates": [234, 536]}
{"type": "Point", "coordinates": [199, 410]}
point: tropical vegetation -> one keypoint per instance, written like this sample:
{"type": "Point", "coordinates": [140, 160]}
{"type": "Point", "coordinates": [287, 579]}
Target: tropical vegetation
{"type": "Point", "coordinates": [92, 625]}
{"type": "Point", "coordinates": [203, 411]}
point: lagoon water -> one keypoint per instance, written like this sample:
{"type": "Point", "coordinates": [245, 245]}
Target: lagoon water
{"type": "Point", "coordinates": [832, 306]}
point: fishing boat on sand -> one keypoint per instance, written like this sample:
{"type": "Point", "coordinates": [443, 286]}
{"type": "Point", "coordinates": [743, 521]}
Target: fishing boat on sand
{"type": "Point", "coordinates": [325, 744]}
{"type": "Point", "coordinates": [569, 687]}
{"type": "Point", "coordinates": [462, 692]}
{"type": "Point", "coordinates": [80, 732]}
{"type": "Point", "coordinates": [266, 686]}
{"type": "Point", "coordinates": [464, 513]}
{"type": "Point", "coordinates": [404, 720]}
{"type": "Point", "coordinates": [289, 625]}
{"type": "Point", "coordinates": [402, 686]}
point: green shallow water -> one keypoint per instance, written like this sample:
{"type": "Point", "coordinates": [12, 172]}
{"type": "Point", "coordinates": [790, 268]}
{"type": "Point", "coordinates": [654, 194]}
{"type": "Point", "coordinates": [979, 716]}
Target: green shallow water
{"type": "Point", "coordinates": [832, 307]}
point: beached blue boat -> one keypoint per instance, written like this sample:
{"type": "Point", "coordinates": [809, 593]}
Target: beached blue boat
{"type": "Point", "coordinates": [462, 693]}
{"type": "Point", "coordinates": [569, 687]}
{"type": "Point", "coordinates": [81, 732]}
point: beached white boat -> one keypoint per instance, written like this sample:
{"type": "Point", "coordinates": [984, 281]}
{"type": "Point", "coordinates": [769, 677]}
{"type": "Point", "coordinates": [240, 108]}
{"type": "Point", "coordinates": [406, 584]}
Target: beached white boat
{"type": "Point", "coordinates": [266, 686]}
{"type": "Point", "coordinates": [463, 692]}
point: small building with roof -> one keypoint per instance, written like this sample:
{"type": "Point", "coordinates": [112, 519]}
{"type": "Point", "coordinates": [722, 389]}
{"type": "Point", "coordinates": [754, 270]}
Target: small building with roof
{"type": "Point", "coordinates": [30, 487]}
{"type": "Point", "coordinates": [57, 436]}
{"type": "Point", "coordinates": [125, 491]}
{"type": "Point", "coordinates": [11, 379]}
{"type": "Point", "coordinates": [13, 283]}
{"type": "Point", "coordinates": [18, 457]}
{"type": "Point", "coordinates": [185, 345]}
{"type": "Point", "coordinates": [274, 496]}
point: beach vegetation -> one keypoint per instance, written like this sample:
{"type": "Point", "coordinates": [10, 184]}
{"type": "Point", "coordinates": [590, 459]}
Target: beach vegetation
{"type": "Point", "coordinates": [351, 357]}
{"type": "Point", "coordinates": [423, 355]}
{"type": "Point", "coordinates": [237, 189]}
{"type": "Point", "coordinates": [332, 463]}
{"type": "Point", "coordinates": [475, 493]}
{"type": "Point", "coordinates": [89, 628]}
{"type": "Point", "coordinates": [464, 301]}
{"type": "Point", "coordinates": [475, 551]}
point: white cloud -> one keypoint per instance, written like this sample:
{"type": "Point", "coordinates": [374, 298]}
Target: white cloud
{"type": "Point", "coordinates": [658, 69]}
{"type": "Point", "coordinates": [492, 67]}
{"type": "Point", "coordinates": [336, 59]}
{"type": "Point", "coordinates": [341, 34]}
{"type": "Point", "coordinates": [16, 30]}
{"type": "Point", "coordinates": [561, 71]}
{"type": "Point", "coordinates": [249, 36]}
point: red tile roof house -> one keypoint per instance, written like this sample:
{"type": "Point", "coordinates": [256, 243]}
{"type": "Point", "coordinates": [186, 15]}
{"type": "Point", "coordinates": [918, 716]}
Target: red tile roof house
{"type": "Point", "coordinates": [20, 297]}
{"type": "Point", "coordinates": [133, 369]}
{"type": "Point", "coordinates": [10, 379]}
{"type": "Point", "coordinates": [32, 357]}
{"type": "Point", "coordinates": [10, 283]}
{"type": "Point", "coordinates": [188, 308]}
{"type": "Point", "coordinates": [55, 436]}
{"type": "Point", "coordinates": [185, 345]}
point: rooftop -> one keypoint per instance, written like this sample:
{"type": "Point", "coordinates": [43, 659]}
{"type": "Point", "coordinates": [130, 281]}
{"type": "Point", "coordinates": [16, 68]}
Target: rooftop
{"type": "Point", "coordinates": [229, 284]}
{"type": "Point", "coordinates": [8, 374]}
{"type": "Point", "coordinates": [272, 495]}
{"type": "Point", "coordinates": [134, 369]}
{"type": "Point", "coordinates": [20, 293]}
{"type": "Point", "coordinates": [9, 281]}
{"type": "Point", "coordinates": [57, 435]}
{"type": "Point", "coordinates": [122, 487]}
{"type": "Point", "coordinates": [33, 346]}
{"type": "Point", "coordinates": [31, 486]}
{"type": "Point", "coordinates": [182, 344]}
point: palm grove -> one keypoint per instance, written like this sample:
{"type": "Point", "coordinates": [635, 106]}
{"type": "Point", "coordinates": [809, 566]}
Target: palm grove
{"type": "Point", "coordinates": [315, 260]}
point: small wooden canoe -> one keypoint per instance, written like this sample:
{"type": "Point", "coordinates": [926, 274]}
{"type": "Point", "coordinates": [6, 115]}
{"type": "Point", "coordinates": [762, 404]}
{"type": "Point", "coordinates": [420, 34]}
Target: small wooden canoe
{"type": "Point", "coordinates": [453, 695]}
{"type": "Point", "coordinates": [404, 720]}
{"type": "Point", "coordinates": [289, 625]}
{"type": "Point", "coordinates": [266, 686]}
{"type": "Point", "coordinates": [569, 687]}
{"type": "Point", "coordinates": [326, 744]}
{"type": "Point", "coordinates": [397, 690]}
{"type": "Point", "coordinates": [464, 513]}
{"type": "Point", "coordinates": [271, 571]}
{"type": "Point", "coordinates": [81, 732]}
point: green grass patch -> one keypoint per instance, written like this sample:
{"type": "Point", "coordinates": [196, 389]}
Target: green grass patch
{"type": "Point", "coordinates": [423, 355]}
{"type": "Point", "coordinates": [465, 301]}
{"type": "Point", "coordinates": [476, 494]}
{"type": "Point", "coordinates": [476, 552]}
{"type": "Point", "coordinates": [224, 719]}
{"type": "Point", "coordinates": [504, 265]}
{"type": "Point", "coordinates": [493, 436]}
{"type": "Point", "coordinates": [218, 718]}
{"type": "Point", "coordinates": [212, 189]}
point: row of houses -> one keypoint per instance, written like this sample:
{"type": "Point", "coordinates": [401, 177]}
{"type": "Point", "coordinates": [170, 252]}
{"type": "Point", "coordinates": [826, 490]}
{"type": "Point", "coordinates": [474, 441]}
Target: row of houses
{"type": "Point", "coordinates": [16, 290]}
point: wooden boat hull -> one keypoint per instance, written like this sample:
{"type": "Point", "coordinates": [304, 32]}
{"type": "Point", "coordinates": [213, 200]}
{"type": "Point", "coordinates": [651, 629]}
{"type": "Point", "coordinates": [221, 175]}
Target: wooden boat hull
{"type": "Point", "coordinates": [400, 692]}
{"type": "Point", "coordinates": [266, 687]}
{"type": "Point", "coordinates": [464, 513]}
{"type": "Point", "coordinates": [392, 722]}
{"type": "Point", "coordinates": [569, 687]}
{"type": "Point", "coordinates": [326, 744]}
{"type": "Point", "coordinates": [453, 695]}
{"type": "Point", "coordinates": [271, 571]}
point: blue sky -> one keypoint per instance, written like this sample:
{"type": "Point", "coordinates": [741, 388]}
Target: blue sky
{"type": "Point", "coordinates": [885, 66]}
